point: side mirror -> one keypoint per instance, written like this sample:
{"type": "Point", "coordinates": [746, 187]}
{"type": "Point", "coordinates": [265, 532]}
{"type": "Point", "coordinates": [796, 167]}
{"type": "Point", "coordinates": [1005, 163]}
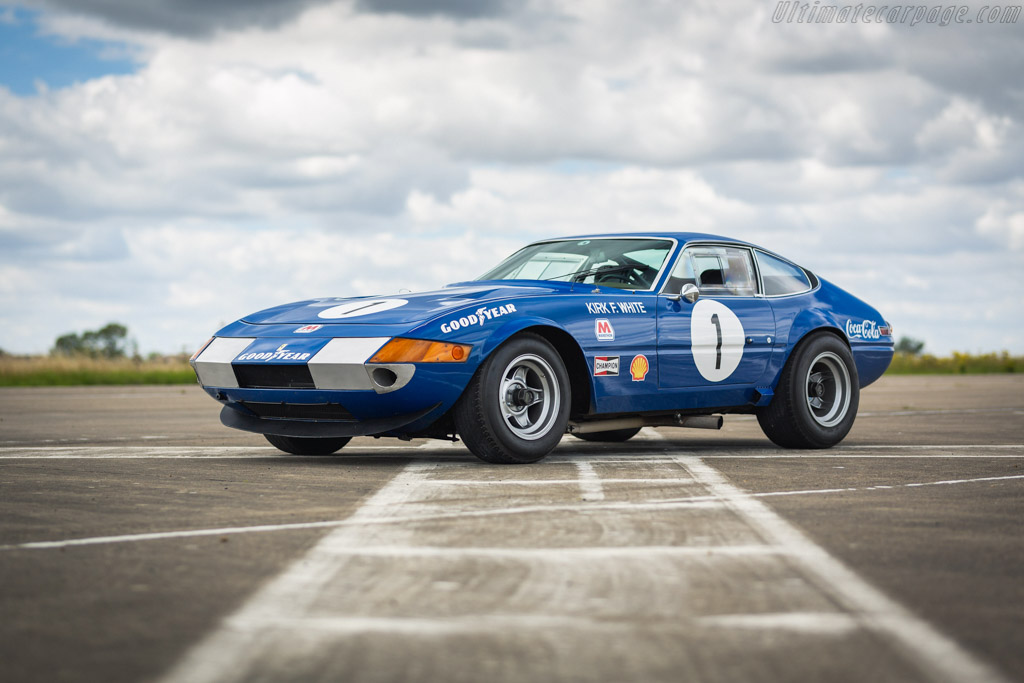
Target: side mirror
{"type": "Point", "coordinates": [690, 293]}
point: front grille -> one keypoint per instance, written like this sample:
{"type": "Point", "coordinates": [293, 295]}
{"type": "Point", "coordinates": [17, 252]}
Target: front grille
{"type": "Point", "coordinates": [273, 376]}
{"type": "Point", "coordinates": [300, 411]}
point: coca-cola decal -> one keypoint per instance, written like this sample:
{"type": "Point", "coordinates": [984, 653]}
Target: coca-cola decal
{"type": "Point", "coordinates": [865, 330]}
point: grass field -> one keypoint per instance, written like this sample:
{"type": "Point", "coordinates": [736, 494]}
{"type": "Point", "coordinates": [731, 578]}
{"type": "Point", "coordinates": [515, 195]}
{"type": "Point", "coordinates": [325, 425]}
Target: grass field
{"type": "Point", "coordinates": [957, 364]}
{"type": "Point", "coordinates": [26, 371]}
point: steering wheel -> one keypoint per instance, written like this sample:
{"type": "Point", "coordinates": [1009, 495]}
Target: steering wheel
{"type": "Point", "coordinates": [633, 278]}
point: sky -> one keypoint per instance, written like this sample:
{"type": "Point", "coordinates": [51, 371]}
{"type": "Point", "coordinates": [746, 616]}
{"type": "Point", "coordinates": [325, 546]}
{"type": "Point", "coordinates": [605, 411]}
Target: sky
{"type": "Point", "coordinates": [173, 165]}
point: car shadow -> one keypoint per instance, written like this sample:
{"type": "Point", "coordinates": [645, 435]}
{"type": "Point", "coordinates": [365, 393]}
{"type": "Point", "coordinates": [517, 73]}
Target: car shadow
{"type": "Point", "coordinates": [446, 452]}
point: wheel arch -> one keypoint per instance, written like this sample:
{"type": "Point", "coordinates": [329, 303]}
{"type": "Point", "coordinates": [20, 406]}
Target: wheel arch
{"type": "Point", "coordinates": [568, 349]}
{"type": "Point", "coordinates": [575, 364]}
{"type": "Point", "coordinates": [814, 332]}
{"type": "Point", "coordinates": [813, 321]}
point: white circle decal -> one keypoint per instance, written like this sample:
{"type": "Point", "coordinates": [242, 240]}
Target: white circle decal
{"type": "Point", "coordinates": [354, 309]}
{"type": "Point", "coordinates": [716, 339]}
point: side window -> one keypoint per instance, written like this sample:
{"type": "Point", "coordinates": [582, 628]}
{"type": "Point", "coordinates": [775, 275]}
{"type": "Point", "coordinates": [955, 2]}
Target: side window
{"type": "Point", "coordinates": [779, 277]}
{"type": "Point", "coordinates": [719, 271]}
{"type": "Point", "coordinates": [682, 274]}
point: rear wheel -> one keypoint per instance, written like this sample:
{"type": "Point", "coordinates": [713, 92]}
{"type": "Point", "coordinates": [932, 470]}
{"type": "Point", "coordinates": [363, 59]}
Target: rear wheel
{"type": "Point", "coordinates": [610, 436]}
{"type": "Point", "coordinates": [302, 445]}
{"type": "Point", "coordinates": [515, 408]}
{"type": "Point", "coordinates": [816, 400]}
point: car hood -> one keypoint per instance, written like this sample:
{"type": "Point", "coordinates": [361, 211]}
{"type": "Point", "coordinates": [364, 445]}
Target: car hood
{"type": "Point", "coordinates": [394, 309]}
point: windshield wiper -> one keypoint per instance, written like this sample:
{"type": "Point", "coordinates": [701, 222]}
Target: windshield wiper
{"type": "Point", "coordinates": [580, 274]}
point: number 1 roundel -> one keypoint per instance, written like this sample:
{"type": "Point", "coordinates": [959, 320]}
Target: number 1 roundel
{"type": "Point", "coordinates": [716, 339]}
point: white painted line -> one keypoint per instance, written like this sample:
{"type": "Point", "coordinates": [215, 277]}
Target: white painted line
{"type": "Point", "coordinates": [966, 481]}
{"type": "Point", "coordinates": [821, 623]}
{"type": "Point", "coordinates": [565, 554]}
{"type": "Point", "coordinates": [861, 456]}
{"type": "Point", "coordinates": [707, 502]}
{"type": "Point", "coordinates": [291, 592]}
{"type": "Point", "coordinates": [939, 657]}
{"type": "Point", "coordinates": [851, 489]}
{"type": "Point", "coordinates": [434, 626]}
{"type": "Point", "coordinates": [179, 452]}
{"type": "Point", "coordinates": [560, 482]}
{"type": "Point", "coordinates": [957, 411]}
{"type": "Point", "coordinates": [902, 413]}
{"type": "Point", "coordinates": [590, 483]}
{"type": "Point", "coordinates": [134, 452]}
{"type": "Point", "coordinates": [952, 447]}
{"type": "Point", "coordinates": [165, 535]}
{"type": "Point", "coordinates": [250, 452]}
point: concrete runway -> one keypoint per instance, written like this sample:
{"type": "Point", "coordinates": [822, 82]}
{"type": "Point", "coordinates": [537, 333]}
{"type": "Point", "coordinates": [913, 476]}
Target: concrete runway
{"type": "Point", "coordinates": [140, 540]}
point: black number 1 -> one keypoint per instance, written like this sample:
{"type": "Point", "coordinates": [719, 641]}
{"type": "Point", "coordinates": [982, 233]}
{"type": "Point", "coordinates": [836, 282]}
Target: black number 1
{"type": "Point", "coordinates": [718, 349]}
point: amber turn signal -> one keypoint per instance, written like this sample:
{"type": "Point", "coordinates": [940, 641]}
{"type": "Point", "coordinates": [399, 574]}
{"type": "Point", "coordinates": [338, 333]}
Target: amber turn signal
{"type": "Point", "coordinates": [400, 350]}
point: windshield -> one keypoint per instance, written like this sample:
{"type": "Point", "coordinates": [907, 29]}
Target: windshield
{"type": "Point", "coordinates": [626, 263]}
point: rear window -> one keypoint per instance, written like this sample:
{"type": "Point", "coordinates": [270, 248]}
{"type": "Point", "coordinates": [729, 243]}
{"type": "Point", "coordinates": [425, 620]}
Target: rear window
{"type": "Point", "coordinates": [779, 277]}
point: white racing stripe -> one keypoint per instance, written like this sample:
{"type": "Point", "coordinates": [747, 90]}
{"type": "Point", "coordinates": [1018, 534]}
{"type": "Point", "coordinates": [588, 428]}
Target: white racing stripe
{"type": "Point", "coordinates": [941, 658]}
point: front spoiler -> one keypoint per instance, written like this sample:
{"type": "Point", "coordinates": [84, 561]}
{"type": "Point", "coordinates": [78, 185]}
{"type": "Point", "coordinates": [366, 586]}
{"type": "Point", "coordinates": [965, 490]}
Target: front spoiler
{"type": "Point", "coordinates": [236, 419]}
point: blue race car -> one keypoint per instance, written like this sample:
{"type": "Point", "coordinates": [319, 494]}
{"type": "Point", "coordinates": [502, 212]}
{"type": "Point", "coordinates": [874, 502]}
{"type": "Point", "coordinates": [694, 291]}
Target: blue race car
{"type": "Point", "coordinates": [595, 336]}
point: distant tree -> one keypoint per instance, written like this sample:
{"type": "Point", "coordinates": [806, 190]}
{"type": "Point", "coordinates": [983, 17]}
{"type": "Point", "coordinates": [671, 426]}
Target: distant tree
{"type": "Point", "coordinates": [910, 346]}
{"type": "Point", "coordinates": [110, 341]}
{"type": "Point", "coordinates": [68, 345]}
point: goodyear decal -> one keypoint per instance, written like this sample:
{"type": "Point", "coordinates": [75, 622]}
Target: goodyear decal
{"type": "Point", "coordinates": [481, 316]}
{"type": "Point", "coordinates": [270, 350]}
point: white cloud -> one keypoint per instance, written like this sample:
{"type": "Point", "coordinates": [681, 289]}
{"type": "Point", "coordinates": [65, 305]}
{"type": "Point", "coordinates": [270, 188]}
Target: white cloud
{"type": "Point", "coordinates": [333, 150]}
{"type": "Point", "coordinates": [1005, 224]}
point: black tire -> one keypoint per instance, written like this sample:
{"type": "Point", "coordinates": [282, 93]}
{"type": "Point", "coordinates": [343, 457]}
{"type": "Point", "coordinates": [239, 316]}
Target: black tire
{"type": "Point", "coordinates": [515, 408]}
{"type": "Point", "coordinates": [611, 436]}
{"type": "Point", "coordinates": [816, 400]}
{"type": "Point", "coordinates": [303, 445]}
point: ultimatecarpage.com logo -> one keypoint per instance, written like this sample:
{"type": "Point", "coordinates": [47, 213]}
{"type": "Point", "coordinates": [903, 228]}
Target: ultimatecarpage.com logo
{"type": "Point", "coordinates": [792, 12]}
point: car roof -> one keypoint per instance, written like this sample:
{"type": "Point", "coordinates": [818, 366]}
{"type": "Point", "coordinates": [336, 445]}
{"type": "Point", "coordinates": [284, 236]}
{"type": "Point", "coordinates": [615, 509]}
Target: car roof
{"type": "Point", "coordinates": [682, 237]}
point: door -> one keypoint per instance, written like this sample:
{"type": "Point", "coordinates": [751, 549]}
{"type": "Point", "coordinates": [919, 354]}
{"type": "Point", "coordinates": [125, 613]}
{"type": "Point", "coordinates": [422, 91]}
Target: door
{"type": "Point", "coordinates": [725, 337]}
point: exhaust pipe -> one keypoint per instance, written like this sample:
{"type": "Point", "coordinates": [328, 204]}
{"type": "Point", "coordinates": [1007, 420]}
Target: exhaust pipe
{"type": "Point", "coordinates": [604, 425]}
{"type": "Point", "coordinates": [698, 421]}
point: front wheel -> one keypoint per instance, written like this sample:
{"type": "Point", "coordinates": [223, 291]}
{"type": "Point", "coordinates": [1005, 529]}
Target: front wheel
{"type": "Point", "coordinates": [302, 445]}
{"type": "Point", "coordinates": [517, 405]}
{"type": "Point", "coordinates": [816, 400]}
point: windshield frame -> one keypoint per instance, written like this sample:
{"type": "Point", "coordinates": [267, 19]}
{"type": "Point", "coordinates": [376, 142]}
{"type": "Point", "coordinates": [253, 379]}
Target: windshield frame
{"type": "Point", "coordinates": [670, 258]}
